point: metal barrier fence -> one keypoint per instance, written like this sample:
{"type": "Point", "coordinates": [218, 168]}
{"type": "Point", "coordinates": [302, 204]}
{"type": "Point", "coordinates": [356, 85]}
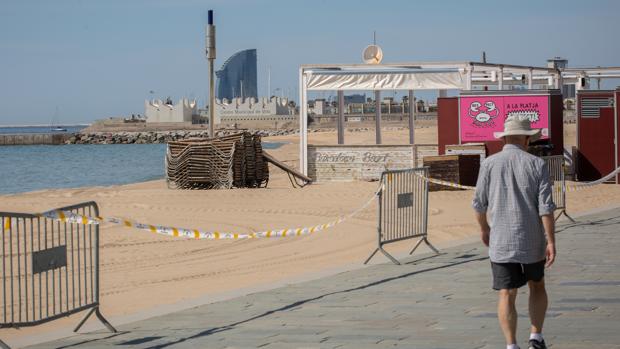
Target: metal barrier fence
{"type": "Point", "coordinates": [558, 176]}
{"type": "Point", "coordinates": [402, 209]}
{"type": "Point", "coordinates": [49, 269]}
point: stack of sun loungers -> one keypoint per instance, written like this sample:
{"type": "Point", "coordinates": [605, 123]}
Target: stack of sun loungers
{"type": "Point", "coordinates": [219, 163]}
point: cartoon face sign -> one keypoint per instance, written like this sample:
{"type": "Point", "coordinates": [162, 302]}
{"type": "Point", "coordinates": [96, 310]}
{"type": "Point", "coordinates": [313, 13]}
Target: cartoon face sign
{"type": "Point", "coordinates": [490, 106]}
{"type": "Point", "coordinates": [483, 114]}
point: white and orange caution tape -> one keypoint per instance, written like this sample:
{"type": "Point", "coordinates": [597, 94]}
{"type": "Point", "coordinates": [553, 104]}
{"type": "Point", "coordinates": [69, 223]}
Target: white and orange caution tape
{"type": "Point", "coordinates": [6, 223]}
{"type": "Point", "coordinates": [70, 217]}
{"type": "Point", "coordinates": [571, 187]}
{"type": "Point", "coordinates": [584, 185]}
{"type": "Point", "coordinates": [446, 183]}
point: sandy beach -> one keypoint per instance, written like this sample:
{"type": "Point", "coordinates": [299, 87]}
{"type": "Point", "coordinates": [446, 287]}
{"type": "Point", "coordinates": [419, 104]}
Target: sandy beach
{"type": "Point", "coordinates": [142, 271]}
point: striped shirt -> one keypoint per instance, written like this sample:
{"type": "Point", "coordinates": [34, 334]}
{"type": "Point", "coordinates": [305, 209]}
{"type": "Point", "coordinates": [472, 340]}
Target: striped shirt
{"type": "Point", "coordinates": [515, 189]}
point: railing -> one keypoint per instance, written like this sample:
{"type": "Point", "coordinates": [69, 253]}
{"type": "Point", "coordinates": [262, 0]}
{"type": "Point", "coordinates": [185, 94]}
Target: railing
{"type": "Point", "coordinates": [50, 269]}
{"type": "Point", "coordinates": [402, 209]}
{"type": "Point", "coordinates": [558, 176]}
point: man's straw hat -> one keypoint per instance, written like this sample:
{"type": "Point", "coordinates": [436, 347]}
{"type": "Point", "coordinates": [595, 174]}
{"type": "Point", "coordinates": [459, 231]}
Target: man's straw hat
{"type": "Point", "coordinates": [515, 126]}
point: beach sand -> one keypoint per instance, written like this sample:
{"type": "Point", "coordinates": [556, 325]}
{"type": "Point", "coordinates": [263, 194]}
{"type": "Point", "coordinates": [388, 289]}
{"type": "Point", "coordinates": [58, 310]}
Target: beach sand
{"type": "Point", "coordinates": [143, 274]}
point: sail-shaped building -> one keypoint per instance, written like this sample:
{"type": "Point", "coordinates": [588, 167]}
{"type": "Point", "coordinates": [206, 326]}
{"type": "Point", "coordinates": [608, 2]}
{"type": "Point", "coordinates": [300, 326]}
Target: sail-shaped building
{"type": "Point", "coordinates": [238, 76]}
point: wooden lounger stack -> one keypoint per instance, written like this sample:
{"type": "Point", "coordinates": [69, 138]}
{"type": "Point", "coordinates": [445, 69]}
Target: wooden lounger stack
{"type": "Point", "coordinates": [219, 163]}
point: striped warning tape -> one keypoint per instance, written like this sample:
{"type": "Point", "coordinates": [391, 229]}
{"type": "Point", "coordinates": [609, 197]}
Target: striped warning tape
{"type": "Point", "coordinates": [446, 183]}
{"type": "Point", "coordinates": [7, 223]}
{"type": "Point", "coordinates": [584, 185]}
{"type": "Point", "coordinates": [568, 188]}
{"type": "Point", "coordinates": [70, 217]}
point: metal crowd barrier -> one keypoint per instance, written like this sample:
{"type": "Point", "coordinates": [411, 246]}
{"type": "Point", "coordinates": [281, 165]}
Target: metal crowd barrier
{"type": "Point", "coordinates": [558, 176]}
{"type": "Point", "coordinates": [402, 209]}
{"type": "Point", "coordinates": [49, 269]}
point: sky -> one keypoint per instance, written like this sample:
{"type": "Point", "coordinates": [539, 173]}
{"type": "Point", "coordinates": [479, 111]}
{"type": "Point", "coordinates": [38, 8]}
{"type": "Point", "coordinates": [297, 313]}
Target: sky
{"type": "Point", "coordinates": [97, 59]}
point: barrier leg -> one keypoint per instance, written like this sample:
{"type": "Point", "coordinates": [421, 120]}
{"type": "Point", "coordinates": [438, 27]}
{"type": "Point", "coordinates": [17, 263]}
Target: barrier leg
{"type": "Point", "coordinates": [104, 321]}
{"type": "Point", "coordinates": [569, 217]}
{"type": "Point", "coordinates": [425, 240]}
{"type": "Point", "coordinates": [371, 255]}
{"type": "Point", "coordinates": [389, 256]}
{"type": "Point", "coordinates": [563, 212]}
{"type": "Point", "coordinates": [428, 243]}
{"type": "Point", "coordinates": [81, 323]}
{"type": "Point", "coordinates": [99, 316]}
{"type": "Point", "coordinates": [416, 246]}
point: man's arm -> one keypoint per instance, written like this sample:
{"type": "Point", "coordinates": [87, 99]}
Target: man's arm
{"type": "Point", "coordinates": [546, 207]}
{"type": "Point", "coordinates": [485, 230]}
{"type": "Point", "coordinates": [549, 225]}
{"type": "Point", "coordinates": [480, 203]}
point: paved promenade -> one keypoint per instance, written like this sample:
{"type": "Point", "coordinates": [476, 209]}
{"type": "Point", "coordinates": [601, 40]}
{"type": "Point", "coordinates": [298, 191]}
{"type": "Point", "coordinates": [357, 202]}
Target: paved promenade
{"type": "Point", "coordinates": [440, 301]}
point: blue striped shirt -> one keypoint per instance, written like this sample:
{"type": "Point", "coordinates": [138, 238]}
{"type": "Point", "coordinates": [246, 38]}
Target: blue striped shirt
{"type": "Point", "coordinates": [514, 189]}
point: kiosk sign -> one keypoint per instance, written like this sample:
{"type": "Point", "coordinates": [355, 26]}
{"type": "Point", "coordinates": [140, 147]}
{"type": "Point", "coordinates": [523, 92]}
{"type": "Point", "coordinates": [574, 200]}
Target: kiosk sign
{"type": "Point", "coordinates": [482, 116]}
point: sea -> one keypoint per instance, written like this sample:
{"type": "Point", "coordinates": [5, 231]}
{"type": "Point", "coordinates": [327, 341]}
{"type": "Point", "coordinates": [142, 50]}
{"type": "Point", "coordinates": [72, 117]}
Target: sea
{"type": "Point", "coordinates": [25, 168]}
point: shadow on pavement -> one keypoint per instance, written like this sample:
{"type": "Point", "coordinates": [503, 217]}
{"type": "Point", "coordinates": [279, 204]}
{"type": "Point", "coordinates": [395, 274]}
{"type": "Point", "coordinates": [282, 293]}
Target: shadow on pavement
{"type": "Point", "coordinates": [301, 302]}
{"type": "Point", "coordinates": [605, 222]}
{"type": "Point", "coordinates": [84, 342]}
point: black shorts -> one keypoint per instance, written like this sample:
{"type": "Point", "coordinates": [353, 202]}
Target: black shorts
{"type": "Point", "coordinates": [515, 275]}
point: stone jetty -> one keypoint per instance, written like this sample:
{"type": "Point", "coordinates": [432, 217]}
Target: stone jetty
{"type": "Point", "coordinates": [34, 138]}
{"type": "Point", "coordinates": [168, 136]}
{"type": "Point", "coordinates": [160, 136]}
{"type": "Point", "coordinates": [148, 137]}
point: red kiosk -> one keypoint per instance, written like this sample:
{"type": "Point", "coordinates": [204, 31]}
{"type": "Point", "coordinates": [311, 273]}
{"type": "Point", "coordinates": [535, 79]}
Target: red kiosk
{"type": "Point", "coordinates": [598, 130]}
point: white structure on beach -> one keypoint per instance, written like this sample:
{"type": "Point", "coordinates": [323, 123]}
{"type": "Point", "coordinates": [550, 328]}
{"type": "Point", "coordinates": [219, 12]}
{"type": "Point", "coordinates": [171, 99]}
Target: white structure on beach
{"type": "Point", "coordinates": [250, 109]}
{"type": "Point", "coordinates": [165, 111]}
{"type": "Point", "coordinates": [241, 112]}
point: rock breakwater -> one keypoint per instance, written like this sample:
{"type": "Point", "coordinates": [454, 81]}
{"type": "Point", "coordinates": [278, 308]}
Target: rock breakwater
{"type": "Point", "coordinates": [159, 136]}
{"type": "Point", "coordinates": [167, 136]}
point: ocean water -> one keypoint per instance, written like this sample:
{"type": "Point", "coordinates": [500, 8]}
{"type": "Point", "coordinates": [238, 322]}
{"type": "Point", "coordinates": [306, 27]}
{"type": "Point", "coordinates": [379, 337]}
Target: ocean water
{"type": "Point", "coordinates": [26, 168]}
{"type": "Point", "coordinates": [38, 129]}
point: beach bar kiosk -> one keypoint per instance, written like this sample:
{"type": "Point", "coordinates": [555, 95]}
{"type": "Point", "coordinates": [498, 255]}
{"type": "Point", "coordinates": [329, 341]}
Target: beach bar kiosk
{"type": "Point", "coordinates": [539, 101]}
{"type": "Point", "coordinates": [341, 162]}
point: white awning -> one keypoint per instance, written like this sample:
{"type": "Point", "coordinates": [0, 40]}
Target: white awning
{"type": "Point", "coordinates": [345, 80]}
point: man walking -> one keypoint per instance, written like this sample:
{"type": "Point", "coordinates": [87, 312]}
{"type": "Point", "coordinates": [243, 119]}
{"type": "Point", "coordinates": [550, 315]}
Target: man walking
{"type": "Point", "coordinates": [514, 189]}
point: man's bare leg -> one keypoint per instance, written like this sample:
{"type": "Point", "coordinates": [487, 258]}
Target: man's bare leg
{"type": "Point", "coordinates": [507, 314]}
{"type": "Point", "coordinates": [538, 304]}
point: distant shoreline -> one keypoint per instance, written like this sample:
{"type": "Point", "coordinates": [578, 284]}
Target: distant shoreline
{"type": "Point", "coordinates": [45, 125]}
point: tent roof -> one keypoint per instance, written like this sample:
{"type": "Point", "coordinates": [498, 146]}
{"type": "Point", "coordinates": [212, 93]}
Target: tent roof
{"type": "Point", "coordinates": [404, 76]}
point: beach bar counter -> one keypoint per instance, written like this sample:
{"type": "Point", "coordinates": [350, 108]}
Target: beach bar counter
{"type": "Point", "coordinates": [366, 162]}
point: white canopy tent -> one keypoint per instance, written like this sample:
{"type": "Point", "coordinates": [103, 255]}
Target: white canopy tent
{"type": "Point", "coordinates": [384, 80]}
{"type": "Point", "coordinates": [408, 76]}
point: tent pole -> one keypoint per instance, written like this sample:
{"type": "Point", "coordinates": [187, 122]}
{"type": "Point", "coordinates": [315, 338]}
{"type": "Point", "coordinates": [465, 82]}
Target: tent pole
{"type": "Point", "coordinates": [500, 81]}
{"type": "Point", "coordinates": [303, 127]}
{"type": "Point", "coordinates": [340, 117]}
{"type": "Point", "coordinates": [378, 116]}
{"type": "Point", "coordinates": [412, 107]}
